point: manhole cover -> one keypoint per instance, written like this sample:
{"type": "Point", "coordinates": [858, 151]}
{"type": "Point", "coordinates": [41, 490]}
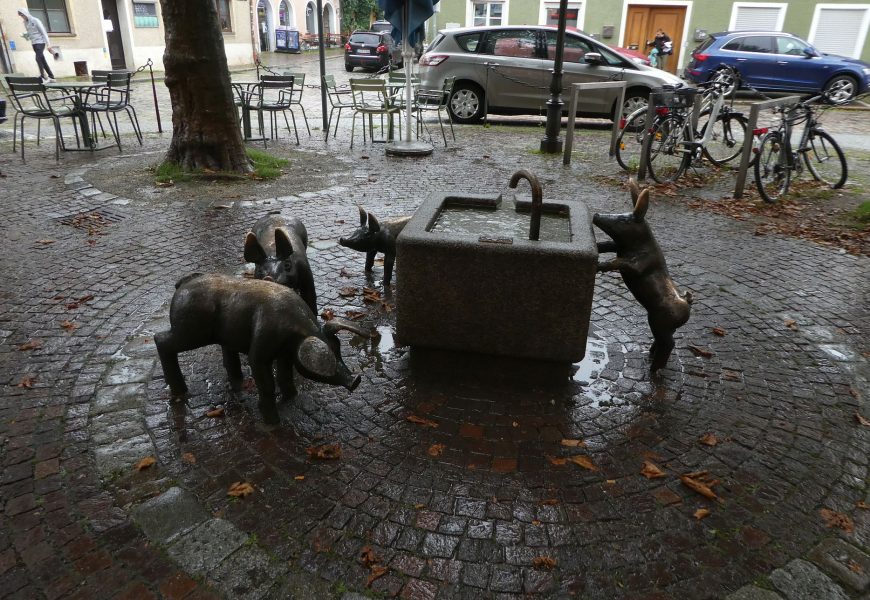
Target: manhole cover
{"type": "Point", "coordinates": [91, 218]}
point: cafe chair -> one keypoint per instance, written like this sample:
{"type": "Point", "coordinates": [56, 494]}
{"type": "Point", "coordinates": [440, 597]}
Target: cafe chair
{"type": "Point", "coordinates": [370, 98]}
{"type": "Point", "coordinates": [338, 99]}
{"type": "Point", "coordinates": [30, 99]}
{"type": "Point", "coordinates": [296, 96]}
{"type": "Point", "coordinates": [435, 101]}
{"type": "Point", "coordinates": [110, 99]}
{"type": "Point", "coordinates": [273, 95]}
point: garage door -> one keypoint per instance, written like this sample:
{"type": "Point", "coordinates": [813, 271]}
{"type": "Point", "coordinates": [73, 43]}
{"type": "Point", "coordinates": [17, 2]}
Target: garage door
{"type": "Point", "coordinates": [840, 30]}
{"type": "Point", "coordinates": [759, 16]}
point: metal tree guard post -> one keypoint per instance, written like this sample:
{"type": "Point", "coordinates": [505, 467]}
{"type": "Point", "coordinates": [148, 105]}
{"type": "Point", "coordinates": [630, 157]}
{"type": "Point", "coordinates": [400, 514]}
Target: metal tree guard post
{"type": "Point", "coordinates": [322, 57]}
{"type": "Point", "coordinates": [551, 144]}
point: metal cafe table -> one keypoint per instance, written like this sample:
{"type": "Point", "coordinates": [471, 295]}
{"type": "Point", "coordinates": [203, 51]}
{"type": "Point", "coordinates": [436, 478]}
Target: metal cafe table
{"type": "Point", "coordinates": [80, 88]}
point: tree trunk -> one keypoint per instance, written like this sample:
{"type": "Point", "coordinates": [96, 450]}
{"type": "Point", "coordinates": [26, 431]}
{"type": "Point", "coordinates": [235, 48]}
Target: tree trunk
{"type": "Point", "coordinates": [205, 130]}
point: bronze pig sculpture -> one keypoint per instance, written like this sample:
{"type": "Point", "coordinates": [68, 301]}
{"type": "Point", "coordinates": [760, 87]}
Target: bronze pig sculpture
{"type": "Point", "coordinates": [372, 238]}
{"type": "Point", "coordinates": [643, 268]}
{"type": "Point", "coordinates": [277, 246]}
{"type": "Point", "coordinates": [267, 322]}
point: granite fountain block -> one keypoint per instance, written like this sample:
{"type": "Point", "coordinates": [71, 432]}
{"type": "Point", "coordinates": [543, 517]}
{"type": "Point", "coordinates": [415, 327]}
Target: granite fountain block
{"type": "Point", "coordinates": [484, 287]}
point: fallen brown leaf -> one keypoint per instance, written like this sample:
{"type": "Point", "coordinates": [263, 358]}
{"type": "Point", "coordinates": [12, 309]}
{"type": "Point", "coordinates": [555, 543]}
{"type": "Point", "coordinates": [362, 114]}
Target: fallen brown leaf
{"type": "Point", "coordinates": [652, 471]}
{"type": "Point", "coordinates": [367, 556]}
{"type": "Point", "coordinates": [86, 298]}
{"type": "Point", "coordinates": [27, 382]}
{"type": "Point", "coordinates": [31, 345]}
{"type": "Point", "coordinates": [557, 460]}
{"type": "Point", "coordinates": [354, 315]}
{"type": "Point", "coordinates": [376, 572]}
{"type": "Point", "coordinates": [45, 242]}
{"type": "Point", "coordinates": [856, 568]}
{"type": "Point", "coordinates": [544, 563]}
{"type": "Point", "coordinates": [435, 450]}
{"type": "Point", "coordinates": [583, 461]}
{"type": "Point", "coordinates": [573, 443]}
{"type": "Point", "coordinates": [700, 352]}
{"type": "Point", "coordinates": [837, 519]}
{"type": "Point", "coordinates": [702, 513]}
{"type": "Point", "coordinates": [188, 458]}
{"type": "Point", "coordinates": [299, 478]}
{"type": "Point", "coordinates": [145, 463]}
{"type": "Point", "coordinates": [419, 506]}
{"type": "Point", "coordinates": [69, 325]}
{"type": "Point", "coordinates": [863, 505]}
{"type": "Point", "coordinates": [324, 451]}
{"type": "Point", "coordinates": [862, 420]}
{"type": "Point", "coordinates": [215, 413]}
{"type": "Point", "coordinates": [699, 486]}
{"type": "Point", "coordinates": [709, 439]}
{"type": "Point", "coordinates": [421, 421]}
{"type": "Point", "coordinates": [347, 292]}
{"type": "Point", "coordinates": [718, 331]}
{"type": "Point", "coordinates": [240, 490]}
{"type": "Point", "coordinates": [549, 502]}
{"type": "Point", "coordinates": [327, 315]}
{"type": "Point", "coordinates": [791, 324]}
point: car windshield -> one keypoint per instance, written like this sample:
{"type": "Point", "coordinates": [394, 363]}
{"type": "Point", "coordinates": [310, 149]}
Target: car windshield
{"type": "Point", "coordinates": [369, 39]}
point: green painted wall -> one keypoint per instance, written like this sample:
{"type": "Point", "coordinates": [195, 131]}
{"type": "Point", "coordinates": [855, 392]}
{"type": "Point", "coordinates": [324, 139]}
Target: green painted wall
{"type": "Point", "coordinates": [711, 15]}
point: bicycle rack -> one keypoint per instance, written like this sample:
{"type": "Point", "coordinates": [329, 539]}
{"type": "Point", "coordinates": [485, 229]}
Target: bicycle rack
{"type": "Point", "coordinates": [754, 110]}
{"type": "Point", "coordinates": [618, 88]}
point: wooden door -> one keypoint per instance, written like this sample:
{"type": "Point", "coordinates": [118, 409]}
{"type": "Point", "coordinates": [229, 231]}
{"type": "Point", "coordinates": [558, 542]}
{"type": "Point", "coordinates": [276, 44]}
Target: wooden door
{"type": "Point", "coordinates": [643, 20]}
{"type": "Point", "coordinates": [114, 39]}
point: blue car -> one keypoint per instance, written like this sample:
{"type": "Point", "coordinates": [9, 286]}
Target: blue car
{"type": "Point", "coordinates": [781, 62]}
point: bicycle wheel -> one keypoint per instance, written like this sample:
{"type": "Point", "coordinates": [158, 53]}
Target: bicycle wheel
{"type": "Point", "coordinates": [824, 159]}
{"type": "Point", "coordinates": [629, 142]}
{"type": "Point", "coordinates": [726, 139]}
{"type": "Point", "coordinates": [668, 156]}
{"type": "Point", "coordinates": [772, 173]}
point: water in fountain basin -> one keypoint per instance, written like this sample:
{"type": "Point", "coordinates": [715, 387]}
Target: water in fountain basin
{"type": "Point", "coordinates": [500, 222]}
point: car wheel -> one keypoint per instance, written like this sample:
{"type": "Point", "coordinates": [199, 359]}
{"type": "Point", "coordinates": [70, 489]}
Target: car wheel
{"type": "Point", "coordinates": [841, 89]}
{"type": "Point", "coordinates": [348, 68]}
{"type": "Point", "coordinates": [726, 77]}
{"type": "Point", "coordinates": [633, 101]}
{"type": "Point", "coordinates": [466, 103]}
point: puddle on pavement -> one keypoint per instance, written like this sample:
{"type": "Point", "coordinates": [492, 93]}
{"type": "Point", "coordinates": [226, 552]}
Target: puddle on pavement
{"type": "Point", "coordinates": [593, 363]}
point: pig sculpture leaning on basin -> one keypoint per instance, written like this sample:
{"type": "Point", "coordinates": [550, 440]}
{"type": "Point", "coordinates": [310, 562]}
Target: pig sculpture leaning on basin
{"type": "Point", "coordinates": [643, 268]}
{"type": "Point", "coordinates": [267, 322]}
{"type": "Point", "coordinates": [277, 246]}
{"type": "Point", "coordinates": [373, 237]}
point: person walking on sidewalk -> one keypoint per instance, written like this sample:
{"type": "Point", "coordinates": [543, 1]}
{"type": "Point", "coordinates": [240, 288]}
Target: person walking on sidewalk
{"type": "Point", "coordinates": [38, 37]}
{"type": "Point", "coordinates": [662, 48]}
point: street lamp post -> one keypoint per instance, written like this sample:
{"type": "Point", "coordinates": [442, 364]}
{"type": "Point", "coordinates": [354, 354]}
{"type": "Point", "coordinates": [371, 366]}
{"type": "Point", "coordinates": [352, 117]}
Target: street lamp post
{"type": "Point", "coordinates": [551, 144]}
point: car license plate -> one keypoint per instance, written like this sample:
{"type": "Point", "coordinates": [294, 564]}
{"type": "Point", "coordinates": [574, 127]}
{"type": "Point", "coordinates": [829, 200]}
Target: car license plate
{"type": "Point", "coordinates": [363, 51]}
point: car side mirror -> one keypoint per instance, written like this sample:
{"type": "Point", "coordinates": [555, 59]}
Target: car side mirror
{"type": "Point", "coordinates": [810, 53]}
{"type": "Point", "coordinates": [592, 58]}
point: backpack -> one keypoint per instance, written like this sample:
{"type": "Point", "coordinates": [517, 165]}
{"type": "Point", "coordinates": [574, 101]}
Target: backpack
{"type": "Point", "coordinates": [668, 48]}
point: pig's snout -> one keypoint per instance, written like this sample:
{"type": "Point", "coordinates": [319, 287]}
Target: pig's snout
{"type": "Point", "coordinates": [595, 219]}
{"type": "Point", "coordinates": [268, 278]}
{"type": "Point", "coordinates": [342, 241]}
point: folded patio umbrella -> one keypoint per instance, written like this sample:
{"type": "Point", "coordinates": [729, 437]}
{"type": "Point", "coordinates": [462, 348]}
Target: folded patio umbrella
{"type": "Point", "coordinates": [418, 12]}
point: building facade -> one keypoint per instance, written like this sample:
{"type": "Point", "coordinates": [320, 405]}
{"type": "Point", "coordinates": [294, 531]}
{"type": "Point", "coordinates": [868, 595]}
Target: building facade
{"type": "Point", "coordinates": [124, 34]}
{"type": "Point", "coordinates": [836, 27]}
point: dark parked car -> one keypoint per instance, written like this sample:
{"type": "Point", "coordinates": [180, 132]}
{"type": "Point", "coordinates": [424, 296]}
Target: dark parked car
{"type": "Point", "coordinates": [371, 50]}
{"type": "Point", "coordinates": [507, 70]}
{"type": "Point", "coordinates": [781, 62]}
{"type": "Point", "coordinates": [388, 27]}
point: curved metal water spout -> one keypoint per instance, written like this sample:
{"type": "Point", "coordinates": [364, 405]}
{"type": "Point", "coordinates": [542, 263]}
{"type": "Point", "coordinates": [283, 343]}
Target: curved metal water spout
{"type": "Point", "coordinates": [537, 200]}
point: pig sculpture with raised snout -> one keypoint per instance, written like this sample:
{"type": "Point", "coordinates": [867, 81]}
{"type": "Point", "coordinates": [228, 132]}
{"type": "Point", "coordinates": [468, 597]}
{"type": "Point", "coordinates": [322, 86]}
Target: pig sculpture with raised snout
{"type": "Point", "coordinates": [371, 237]}
{"type": "Point", "coordinates": [267, 322]}
{"type": "Point", "coordinates": [276, 245]}
{"type": "Point", "coordinates": [643, 268]}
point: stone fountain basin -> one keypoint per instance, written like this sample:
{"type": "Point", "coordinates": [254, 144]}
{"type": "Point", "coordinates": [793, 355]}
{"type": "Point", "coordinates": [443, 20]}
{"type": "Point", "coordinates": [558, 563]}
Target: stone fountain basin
{"type": "Point", "coordinates": [501, 295]}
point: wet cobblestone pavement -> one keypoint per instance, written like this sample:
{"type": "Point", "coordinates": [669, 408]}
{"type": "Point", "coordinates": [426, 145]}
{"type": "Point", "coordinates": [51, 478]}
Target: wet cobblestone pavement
{"type": "Point", "coordinates": [454, 480]}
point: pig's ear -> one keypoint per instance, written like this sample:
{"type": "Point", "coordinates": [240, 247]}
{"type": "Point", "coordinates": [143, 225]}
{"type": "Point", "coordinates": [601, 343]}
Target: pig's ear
{"type": "Point", "coordinates": [634, 189]}
{"type": "Point", "coordinates": [254, 252]}
{"type": "Point", "coordinates": [641, 205]}
{"type": "Point", "coordinates": [374, 226]}
{"type": "Point", "coordinates": [363, 215]}
{"type": "Point", "coordinates": [283, 247]}
{"type": "Point", "coordinates": [316, 358]}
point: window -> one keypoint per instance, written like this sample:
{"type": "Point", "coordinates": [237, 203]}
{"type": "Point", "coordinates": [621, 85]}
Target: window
{"type": "Point", "coordinates": [760, 16]}
{"type": "Point", "coordinates": [572, 14]}
{"type": "Point", "coordinates": [52, 13]}
{"type": "Point", "coordinates": [283, 14]}
{"type": "Point", "coordinates": [733, 45]}
{"type": "Point", "coordinates": [145, 14]}
{"type": "Point", "coordinates": [488, 13]}
{"type": "Point", "coordinates": [757, 43]}
{"type": "Point", "coordinates": [223, 11]}
{"type": "Point", "coordinates": [840, 28]}
{"type": "Point", "coordinates": [517, 43]}
{"type": "Point", "coordinates": [576, 49]}
{"type": "Point", "coordinates": [467, 42]}
{"type": "Point", "coordinates": [790, 46]}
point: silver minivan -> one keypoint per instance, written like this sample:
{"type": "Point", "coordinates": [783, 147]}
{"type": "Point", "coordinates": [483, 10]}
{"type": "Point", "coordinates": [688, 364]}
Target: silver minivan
{"type": "Point", "coordinates": [507, 70]}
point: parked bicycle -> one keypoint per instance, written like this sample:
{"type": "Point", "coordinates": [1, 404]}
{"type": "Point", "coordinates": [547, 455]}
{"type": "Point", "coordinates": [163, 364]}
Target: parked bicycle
{"type": "Point", "coordinates": [720, 138]}
{"type": "Point", "coordinates": [778, 161]}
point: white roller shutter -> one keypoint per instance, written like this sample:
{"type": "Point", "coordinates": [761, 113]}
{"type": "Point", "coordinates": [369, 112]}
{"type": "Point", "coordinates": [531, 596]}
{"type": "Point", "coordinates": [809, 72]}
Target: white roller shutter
{"type": "Point", "coordinates": [838, 30]}
{"type": "Point", "coordinates": [763, 18]}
